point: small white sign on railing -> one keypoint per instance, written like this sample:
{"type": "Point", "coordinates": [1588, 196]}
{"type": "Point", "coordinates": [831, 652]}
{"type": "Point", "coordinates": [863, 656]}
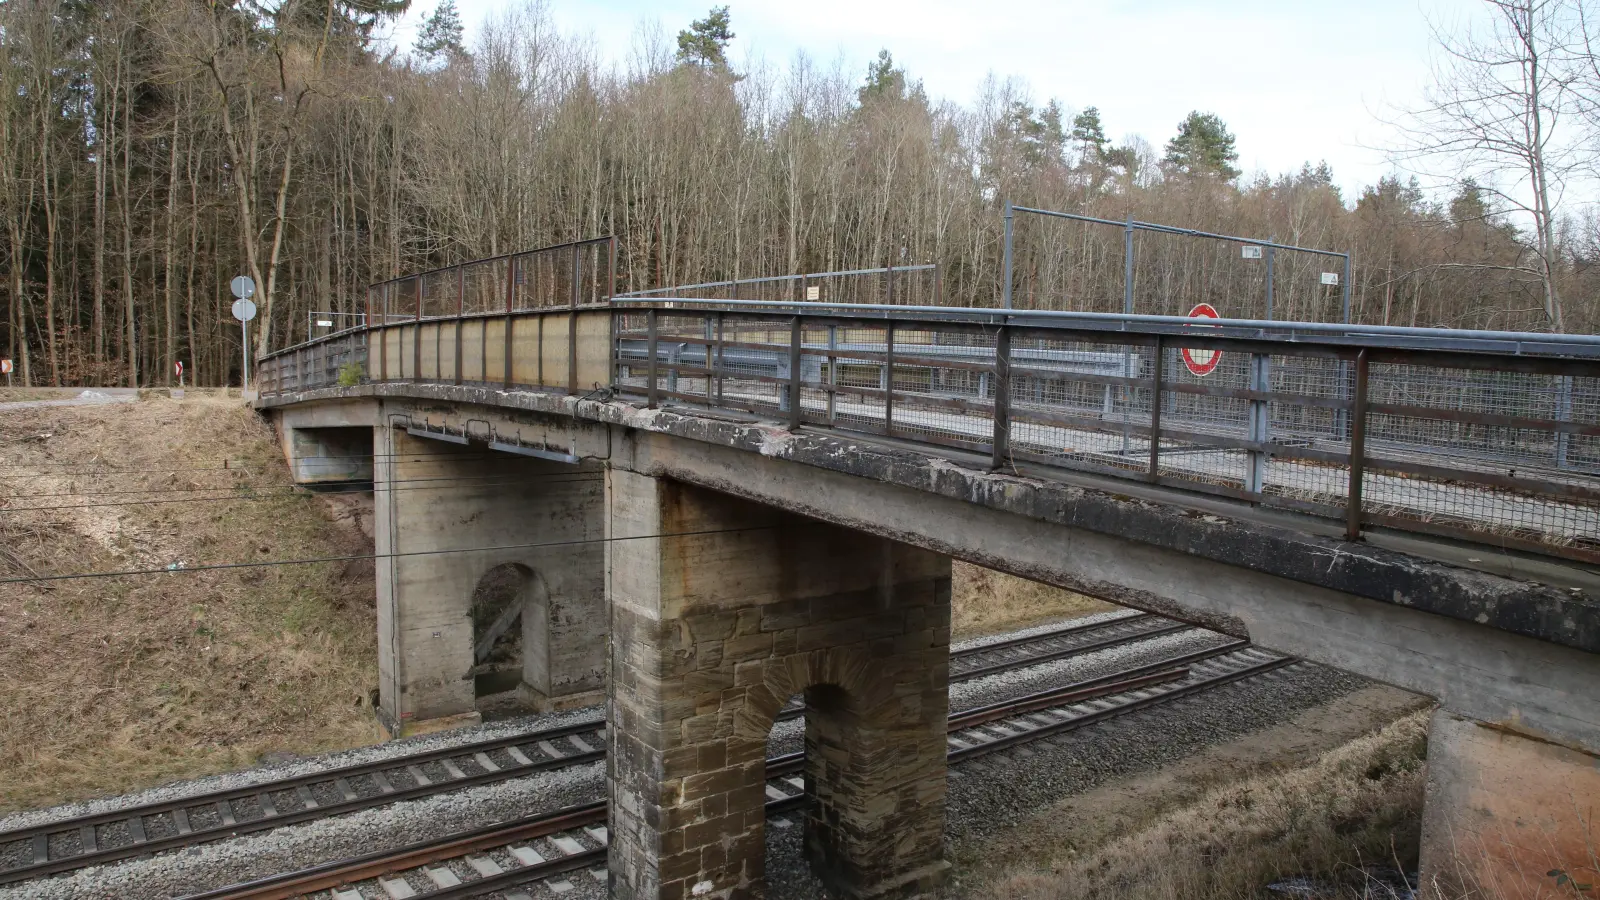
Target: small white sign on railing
{"type": "Point", "coordinates": [1250, 251]}
{"type": "Point", "coordinates": [324, 323]}
{"type": "Point", "coordinates": [1330, 278]}
{"type": "Point", "coordinates": [813, 292]}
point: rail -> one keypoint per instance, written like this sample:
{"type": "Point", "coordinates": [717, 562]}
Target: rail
{"type": "Point", "coordinates": [1489, 437]}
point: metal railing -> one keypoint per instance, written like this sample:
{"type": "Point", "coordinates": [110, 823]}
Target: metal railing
{"type": "Point", "coordinates": [1492, 437]}
{"type": "Point", "coordinates": [892, 285]}
{"type": "Point", "coordinates": [1487, 436]}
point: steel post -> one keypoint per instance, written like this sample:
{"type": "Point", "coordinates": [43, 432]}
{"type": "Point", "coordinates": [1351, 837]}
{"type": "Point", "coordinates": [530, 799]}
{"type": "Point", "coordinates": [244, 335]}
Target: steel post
{"type": "Point", "coordinates": [1271, 252]}
{"type": "Point", "coordinates": [1259, 422]}
{"type": "Point", "coordinates": [652, 347]}
{"type": "Point", "coordinates": [1155, 412]}
{"type": "Point", "coordinates": [1358, 451]}
{"type": "Point", "coordinates": [1127, 267]}
{"type": "Point", "coordinates": [1001, 447]}
{"type": "Point", "coordinates": [833, 374]}
{"type": "Point", "coordinates": [572, 320]}
{"type": "Point", "coordinates": [1005, 286]}
{"type": "Point", "coordinates": [888, 378]}
{"type": "Point", "coordinates": [796, 347]}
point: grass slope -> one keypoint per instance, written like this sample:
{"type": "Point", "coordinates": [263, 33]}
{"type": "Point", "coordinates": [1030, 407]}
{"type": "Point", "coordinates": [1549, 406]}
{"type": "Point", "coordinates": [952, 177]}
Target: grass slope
{"type": "Point", "coordinates": [112, 684]}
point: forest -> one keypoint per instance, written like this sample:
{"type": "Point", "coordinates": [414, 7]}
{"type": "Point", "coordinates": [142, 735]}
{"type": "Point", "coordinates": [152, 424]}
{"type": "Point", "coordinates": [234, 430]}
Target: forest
{"type": "Point", "coordinates": [151, 150]}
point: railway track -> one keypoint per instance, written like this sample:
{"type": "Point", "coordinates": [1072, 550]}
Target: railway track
{"type": "Point", "coordinates": [507, 857]}
{"type": "Point", "coordinates": [67, 844]}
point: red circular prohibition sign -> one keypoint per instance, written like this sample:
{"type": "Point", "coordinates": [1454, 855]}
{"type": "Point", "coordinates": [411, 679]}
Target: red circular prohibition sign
{"type": "Point", "coordinates": [1202, 362]}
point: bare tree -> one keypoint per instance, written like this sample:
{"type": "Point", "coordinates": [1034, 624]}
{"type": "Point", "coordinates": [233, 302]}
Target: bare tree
{"type": "Point", "coordinates": [1500, 116]}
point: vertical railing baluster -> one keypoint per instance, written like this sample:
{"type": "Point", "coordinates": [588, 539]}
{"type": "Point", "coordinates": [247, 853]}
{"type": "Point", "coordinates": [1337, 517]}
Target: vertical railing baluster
{"type": "Point", "coordinates": [833, 374]}
{"type": "Point", "coordinates": [572, 320]}
{"type": "Point", "coordinates": [1155, 412]}
{"type": "Point", "coordinates": [1358, 451]}
{"type": "Point", "coordinates": [888, 378]}
{"type": "Point", "coordinates": [1260, 422]}
{"type": "Point", "coordinates": [1001, 450]}
{"type": "Point", "coordinates": [461, 310]}
{"type": "Point", "coordinates": [651, 339]}
{"type": "Point", "coordinates": [416, 336]}
{"type": "Point", "coordinates": [796, 346]}
{"type": "Point", "coordinates": [718, 366]}
{"type": "Point", "coordinates": [511, 296]}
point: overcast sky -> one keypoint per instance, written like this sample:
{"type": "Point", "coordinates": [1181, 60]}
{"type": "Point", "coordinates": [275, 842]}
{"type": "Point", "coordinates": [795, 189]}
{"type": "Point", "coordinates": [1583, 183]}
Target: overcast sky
{"type": "Point", "coordinates": [1296, 80]}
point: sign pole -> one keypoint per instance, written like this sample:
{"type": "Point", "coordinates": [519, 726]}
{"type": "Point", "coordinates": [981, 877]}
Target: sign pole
{"type": "Point", "coordinates": [244, 311]}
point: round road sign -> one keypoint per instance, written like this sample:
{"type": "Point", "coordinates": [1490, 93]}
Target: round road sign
{"type": "Point", "coordinates": [244, 310]}
{"type": "Point", "coordinates": [243, 287]}
{"type": "Point", "coordinates": [1202, 362]}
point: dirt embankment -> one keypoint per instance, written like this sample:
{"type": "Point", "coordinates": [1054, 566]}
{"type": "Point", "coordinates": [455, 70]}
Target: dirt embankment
{"type": "Point", "coordinates": [111, 684]}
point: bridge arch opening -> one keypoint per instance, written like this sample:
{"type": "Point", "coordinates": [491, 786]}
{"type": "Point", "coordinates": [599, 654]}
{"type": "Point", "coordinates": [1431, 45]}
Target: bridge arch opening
{"type": "Point", "coordinates": [508, 611]}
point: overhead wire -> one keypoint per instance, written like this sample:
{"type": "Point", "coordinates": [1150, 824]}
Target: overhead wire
{"type": "Point", "coordinates": [300, 491]}
{"type": "Point", "coordinates": [451, 479]}
{"type": "Point", "coordinates": [214, 567]}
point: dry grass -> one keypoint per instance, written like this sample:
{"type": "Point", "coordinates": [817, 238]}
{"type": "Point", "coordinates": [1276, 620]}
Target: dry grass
{"type": "Point", "coordinates": [107, 685]}
{"type": "Point", "coordinates": [1357, 805]}
{"type": "Point", "coordinates": [987, 602]}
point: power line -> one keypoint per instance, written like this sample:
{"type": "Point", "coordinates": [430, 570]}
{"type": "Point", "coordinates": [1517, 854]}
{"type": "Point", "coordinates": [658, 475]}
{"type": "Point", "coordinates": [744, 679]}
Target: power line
{"type": "Point", "coordinates": [213, 567]}
{"type": "Point", "coordinates": [455, 479]}
{"type": "Point", "coordinates": [245, 466]}
{"type": "Point", "coordinates": [293, 492]}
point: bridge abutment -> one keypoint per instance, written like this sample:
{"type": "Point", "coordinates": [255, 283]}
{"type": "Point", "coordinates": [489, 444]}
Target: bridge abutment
{"type": "Point", "coordinates": [476, 548]}
{"type": "Point", "coordinates": [721, 611]}
{"type": "Point", "coordinates": [1507, 812]}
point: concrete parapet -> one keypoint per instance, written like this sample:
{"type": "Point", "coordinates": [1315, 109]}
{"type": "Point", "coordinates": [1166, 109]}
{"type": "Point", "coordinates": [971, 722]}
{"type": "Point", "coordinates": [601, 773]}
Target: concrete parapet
{"type": "Point", "coordinates": [1508, 814]}
{"type": "Point", "coordinates": [721, 611]}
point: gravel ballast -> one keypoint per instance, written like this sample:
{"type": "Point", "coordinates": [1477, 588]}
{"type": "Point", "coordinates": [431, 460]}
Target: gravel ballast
{"type": "Point", "coordinates": [985, 796]}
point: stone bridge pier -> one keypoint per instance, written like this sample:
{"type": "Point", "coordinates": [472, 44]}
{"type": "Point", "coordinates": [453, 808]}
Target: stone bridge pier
{"type": "Point", "coordinates": [472, 544]}
{"type": "Point", "coordinates": [721, 610]}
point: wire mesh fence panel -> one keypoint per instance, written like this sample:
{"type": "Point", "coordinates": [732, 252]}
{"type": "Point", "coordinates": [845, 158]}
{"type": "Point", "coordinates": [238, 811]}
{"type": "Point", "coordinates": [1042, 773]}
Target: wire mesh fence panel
{"type": "Point", "coordinates": [1072, 404]}
{"type": "Point", "coordinates": [484, 287]}
{"type": "Point", "coordinates": [753, 362]}
{"type": "Point", "coordinates": [441, 293]}
{"type": "Point", "coordinates": [941, 382]}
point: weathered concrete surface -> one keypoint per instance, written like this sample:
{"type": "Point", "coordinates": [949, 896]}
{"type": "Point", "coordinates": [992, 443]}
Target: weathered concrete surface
{"type": "Point", "coordinates": [1504, 810]}
{"type": "Point", "coordinates": [714, 628]}
{"type": "Point", "coordinates": [330, 455]}
{"type": "Point", "coordinates": [1519, 654]}
{"type": "Point", "coordinates": [446, 515]}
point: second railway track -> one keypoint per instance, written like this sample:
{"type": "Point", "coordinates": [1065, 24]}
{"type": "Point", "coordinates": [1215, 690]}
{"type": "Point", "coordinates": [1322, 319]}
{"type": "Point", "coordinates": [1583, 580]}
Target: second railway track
{"type": "Point", "coordinates": [68, 844]}
{"type": "Point", "coordinates": [507, 856]}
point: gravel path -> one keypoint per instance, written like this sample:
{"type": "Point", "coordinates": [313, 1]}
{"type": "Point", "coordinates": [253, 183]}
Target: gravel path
{"type": "Point", "coordinates": [985, 795]}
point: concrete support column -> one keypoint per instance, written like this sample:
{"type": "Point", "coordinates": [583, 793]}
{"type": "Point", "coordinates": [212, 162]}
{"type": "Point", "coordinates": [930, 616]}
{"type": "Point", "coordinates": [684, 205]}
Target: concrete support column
{"type": "Point", "coordinates": [721, 610]}
{"type": "Point", "coordinates": [446, 516]}
{"type": "Point", "coordinates": [1504, 810]}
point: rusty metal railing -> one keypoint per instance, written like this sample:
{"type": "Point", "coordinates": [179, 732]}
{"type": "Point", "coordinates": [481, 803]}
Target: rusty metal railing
{"type": "Point", "coordinates": [1489, 437]}
{"type": "Point", "coordinates": [1486, 436]}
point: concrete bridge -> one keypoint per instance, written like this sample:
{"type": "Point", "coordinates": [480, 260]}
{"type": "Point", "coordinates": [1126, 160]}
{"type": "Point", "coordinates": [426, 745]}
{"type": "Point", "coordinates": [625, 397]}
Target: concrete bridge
{"type": "Point", "coordinates": [698, 509]}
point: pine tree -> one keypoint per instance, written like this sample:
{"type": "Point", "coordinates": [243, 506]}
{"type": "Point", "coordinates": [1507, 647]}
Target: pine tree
{"type": "Point", "coordinates": [884, 81]}
{"type": "Point", "coordinates": [704, 43]}
{"type": "Point", "coordinates": [1203, 146]}
{"type": "Point", "coordinates": [1090, 134]}
{"type": "Point", "coordinates": [440, 37]}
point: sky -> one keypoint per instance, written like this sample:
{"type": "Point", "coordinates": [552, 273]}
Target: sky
{"type": "Point", "coordinates": [1295, 80]}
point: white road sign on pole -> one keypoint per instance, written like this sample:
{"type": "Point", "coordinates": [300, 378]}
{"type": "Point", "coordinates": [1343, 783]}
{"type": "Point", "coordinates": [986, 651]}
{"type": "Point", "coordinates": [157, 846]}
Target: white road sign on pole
{"type": "Point", "coordinates": [1330, 278]}
{"type": "Point", "coordinates": [1250, 251]}
{"type": "Point", "coordinates": [244, 310]}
